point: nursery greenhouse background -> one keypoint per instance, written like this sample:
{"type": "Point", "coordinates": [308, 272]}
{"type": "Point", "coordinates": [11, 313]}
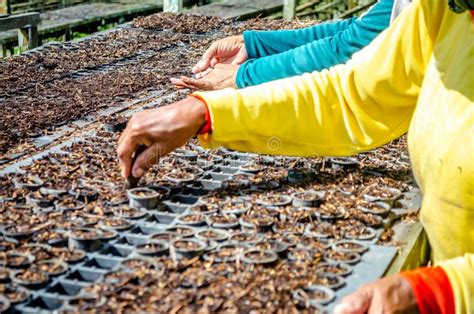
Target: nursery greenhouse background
{"type": "Point", "coordinates": [205, 230]}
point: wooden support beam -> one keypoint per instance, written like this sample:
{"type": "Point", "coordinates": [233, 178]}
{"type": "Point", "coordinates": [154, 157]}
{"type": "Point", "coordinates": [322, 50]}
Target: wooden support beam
{"type": "Point", "coordinates": [5, 7]}
{"type": "Point", "coordinates": [175, 6]}
{"type": "Point", "coordinates": [19, 21]}
{"type": "Point", "coordinates": [320, 9]}
{"type": "Point", "coordinates": [289, 9]}
{"type": "Point", "coordinates": [308, 5]}
{"type": "Point", "coordinates": [356, 9]}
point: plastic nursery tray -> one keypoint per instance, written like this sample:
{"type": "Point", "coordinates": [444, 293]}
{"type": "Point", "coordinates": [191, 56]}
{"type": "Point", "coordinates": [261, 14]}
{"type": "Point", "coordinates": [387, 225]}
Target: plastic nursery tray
{"type": "Point", "coordinates": [109, 256]}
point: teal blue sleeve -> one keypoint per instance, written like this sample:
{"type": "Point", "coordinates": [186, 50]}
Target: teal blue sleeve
{"type": "Point", "coordinates": [264, 43]}
{"type": "Point", "coordinates": [312, 55]}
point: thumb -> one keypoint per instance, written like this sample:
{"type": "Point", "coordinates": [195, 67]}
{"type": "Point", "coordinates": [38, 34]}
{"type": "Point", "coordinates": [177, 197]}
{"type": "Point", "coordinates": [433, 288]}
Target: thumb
{"type": "Point", "coordinates": [146, 160]}
{"type": "Point", "coordinates": [355, 303]}
{"type": "Point", "coordinates": [205, 61]}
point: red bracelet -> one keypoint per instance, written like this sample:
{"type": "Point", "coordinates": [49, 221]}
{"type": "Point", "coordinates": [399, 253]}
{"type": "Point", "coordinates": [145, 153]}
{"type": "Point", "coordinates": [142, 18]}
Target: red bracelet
{"type": "Point", "coordinates": [207, 127]}
{"type": "Point", "coordinates": [432, 289]}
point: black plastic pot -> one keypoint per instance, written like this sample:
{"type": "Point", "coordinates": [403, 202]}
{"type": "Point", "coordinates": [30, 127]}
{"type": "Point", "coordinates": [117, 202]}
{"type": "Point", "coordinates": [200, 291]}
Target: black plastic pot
{"type": "Point", "coordinates": [108, 235]}
{"type": "Point", "coordinates": [315, 295]}
{"type": "Point", "coordinates": [71, 205]}
{"type": "Point", "coordinates": [143, 198]}
{"type": "Point", "coordinates": [85, 194]}
{"type": "Point", "coordinates": [371, 195]}
{"type": "Point", "coordinates": [345, 163]}
{"type": "Point", "coordinates": [19, 232]}
{"type": "Point", "coordinates": [369, 233]}
{"type": "Point", "coordinates": [59, 267]}
{"type": "Point", "coordinates": [88, 240]}
{"type": "Point", "coordinates": [252, 168]}
{"type": "Point", "coordinates": [376, 208]}
{"type": "Point", "coordinates": [196, 247]}
{"type": "Point", "coordinates": [348, 246]}
{"type": "Point", "coordinates": [204, 209]}
{"type": "Point", "coordinates": [15, 294]}
{"type": "Point", "coordinates": [259, 223]}
{"type": "Point", "coordinates": [235, 207]}
{"type": "Point", "coordinates": [16, 260]}
{"type": "Point", "coordinates": [4, 302]}
{"type": "Point", "coordinates": [193, 220]}
{"type": "Point", "coordinates": [39, 200]}
{"type": "Point", "coordinates": [116, 224]}
{"type": "Point", "coordinates": [329, 280]}
{"type": "Point", "coordinates": [209, 234]}
{"type": "Point", "coordinates": [30, 183]}
{"type": "Point", "coordinates": [224, 253]}
{"type": "Point", "coordinates": [340, 269]}
{"type": "Point", "coordinates": [115, 125]}
{"type": "Point", "coordinates": [183, 231]}
{"type": "Point", "coordinates": [278, 247]}
{"type": "Point", "coordinates": [308, 198]}
{"type": "Point", "coordinates": [155, 248]}
{"type": "Point", "coordinates": [260, 257]}
{"type": "Point", "coordinates": [246, 238]}
{"type": "Point", "coordinates": [39, 283]}
{"type": "Point", "coordinates": [165, 236]}
{"type": "Point", "coordinates": [214, 221]}
{"type": "Point", "coordinates": [127, 212]}
{"type": "Point", "coordinates": [4, 275]}
{"type": "Point", "coordinates": [346, 258]}
{"type": "Point", "coordinates": [274, 200]}
{"type": "Point", "coordinates": [71, 256]}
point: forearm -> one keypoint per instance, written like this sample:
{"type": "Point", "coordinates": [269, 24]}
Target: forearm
{"type": "Point", "coordinates": [265, 43]}
{"type": "Point", "coordinates": [313, 56]}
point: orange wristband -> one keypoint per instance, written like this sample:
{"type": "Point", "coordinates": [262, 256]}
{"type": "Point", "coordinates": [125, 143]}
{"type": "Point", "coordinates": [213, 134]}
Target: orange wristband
{"type": "Point", "coordinates": [432, 289]}
{"type": "Point", "coordinates": [207, 127]}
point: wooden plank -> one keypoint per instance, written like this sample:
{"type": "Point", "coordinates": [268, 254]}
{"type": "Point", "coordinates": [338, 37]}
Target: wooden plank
{"type": "Point", "coordinates": [320, 9]}
{"type": "Point", "coordinates": [19, 21]}
{"type": "Point", "coordinates": [289, 9]}
{"type": "Point", "coordinates": [52, 25]}
{"type": "Point", "coordinates": [239, 9]}
{"type": "Point", "coordinates": [4, 7]}
{"type": "Point", "coordinates": [356, 9]}
{"type": "Point", "coordinates": [175, 6]}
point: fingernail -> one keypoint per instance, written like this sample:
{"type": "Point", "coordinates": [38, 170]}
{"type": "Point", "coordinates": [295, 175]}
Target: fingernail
{"type": "Point", "coordinates": [138, 173]}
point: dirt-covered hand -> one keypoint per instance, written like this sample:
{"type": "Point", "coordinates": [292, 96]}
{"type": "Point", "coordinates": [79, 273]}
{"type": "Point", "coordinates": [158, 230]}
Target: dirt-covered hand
{"type": "Point", "coordinates": [221, 76]}
{"type": "Point", "coordinates": [392, 294]}
{"type": "Point", "coordinates": [161, 131]}
{"type": "Point", "coordinates": [230, 50]}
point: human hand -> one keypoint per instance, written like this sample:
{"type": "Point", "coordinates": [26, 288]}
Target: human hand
{"type": "Point", "coordinates": [221, 76]}
{"type": "Point", "coordinates": [161, 131]}
{"type": "Point", "coordinates": [388, 295]}
{"type": "Point", "coordinates": [230, 50]}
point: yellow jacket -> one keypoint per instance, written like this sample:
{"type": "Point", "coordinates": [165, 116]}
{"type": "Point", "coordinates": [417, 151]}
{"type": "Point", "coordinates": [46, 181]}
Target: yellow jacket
{"type": "Point", "coordinates": [417, 76]}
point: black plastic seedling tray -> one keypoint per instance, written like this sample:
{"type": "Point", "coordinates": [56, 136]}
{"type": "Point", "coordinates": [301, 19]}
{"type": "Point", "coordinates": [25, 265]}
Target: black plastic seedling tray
{"type": "Point", "coordinates": [163, 220]}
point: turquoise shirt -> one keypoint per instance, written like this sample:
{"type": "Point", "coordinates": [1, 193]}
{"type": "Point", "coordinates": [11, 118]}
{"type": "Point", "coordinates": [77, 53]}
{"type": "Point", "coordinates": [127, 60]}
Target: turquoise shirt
{"type": "Point", "coordinates": [278, 54]}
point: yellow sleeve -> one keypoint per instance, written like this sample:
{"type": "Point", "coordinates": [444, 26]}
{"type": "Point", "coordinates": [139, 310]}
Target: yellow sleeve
{"type": "Point", "coordinates": [460, 272]}
{"type": "Point", "coordinates": [341, 111]}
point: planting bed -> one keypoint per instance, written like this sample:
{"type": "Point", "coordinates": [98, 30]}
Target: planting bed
{"type": "Point", "coordinates": [217, 230]}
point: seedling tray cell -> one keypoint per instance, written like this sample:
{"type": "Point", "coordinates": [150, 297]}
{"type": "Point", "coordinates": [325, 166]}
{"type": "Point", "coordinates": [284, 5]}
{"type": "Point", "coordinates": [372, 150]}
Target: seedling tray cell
{"type": "Point", "coordinates": [65, 288]}
{"type": "Point", "coordinates": [117, 250]}
{"type": "Point", "coordinates": [102, 262]}
{"type": "Point", "coordinates": [41, 304]}
{"type": "Point", "coordinates": [85, 274]}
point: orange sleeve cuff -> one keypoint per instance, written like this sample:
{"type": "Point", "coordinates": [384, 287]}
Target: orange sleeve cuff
{"type": "Point", "coordinates": [207, 127]}
{"type": "Point", "coordinates": [432, 289]}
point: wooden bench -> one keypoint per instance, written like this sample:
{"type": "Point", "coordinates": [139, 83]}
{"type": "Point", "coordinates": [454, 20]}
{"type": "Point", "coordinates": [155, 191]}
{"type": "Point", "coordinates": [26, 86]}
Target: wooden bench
{"type": "Point", "coordinates": [63, 22]}
{"type": "Point", "coordinates": [27, 25]}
